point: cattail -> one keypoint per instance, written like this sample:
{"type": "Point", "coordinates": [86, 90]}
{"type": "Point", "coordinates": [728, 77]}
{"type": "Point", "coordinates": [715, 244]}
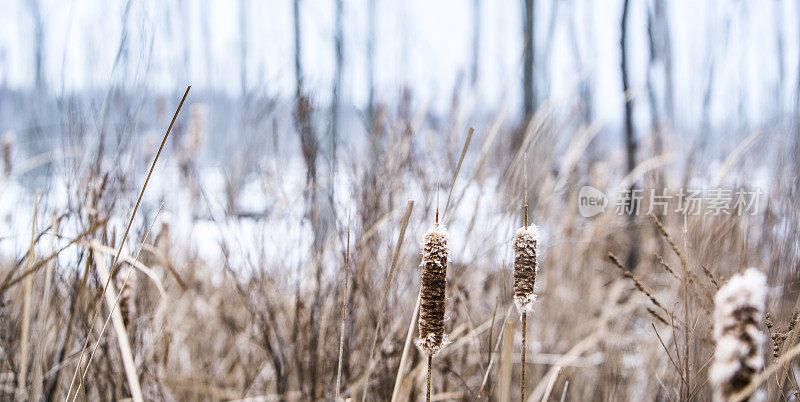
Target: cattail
{"type": "Point", "coordinates": [126, 301]}
{"type": "Point", "coordinates": [526, 265]}
{"type": "Point", "coordinates": [194, 139]}
{"type": "Point", "coordinates": [432, 307]}
{"type": "Point", "coordinates": [432, 294]}
{"type": "Point", "coordinates": [7, 145]}
{"type": "Point", "coordinates": [739, 308]}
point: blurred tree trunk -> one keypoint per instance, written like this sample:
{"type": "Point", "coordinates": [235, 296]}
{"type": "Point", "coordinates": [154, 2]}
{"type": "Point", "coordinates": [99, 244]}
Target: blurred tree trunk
{"type": "Point", "coordinates": [243, 45]}
{"type": "Point", "coordinates": [528, 77]}
{"type": "Point", "coordinates": [655, 56]}
{"type": "Point", "coordinates": [778, 16]}
{"type": "Point", "coordinates": [206, 29]}
{"type": "Point", "coordinates": [476, 35]}
{"type": "Point", "coordinates": [580, 58]}
{"type": "Point", "coordinates": [298, 68]}
{"type": "Point", "coordinates": [665, 54]}
{"type": "Point", "coordinates": [528, 84]}
{"type": "Point", "coordinates": [630, 139]}
{"type": "Point", "coordinates": [337, 80]}
{"type": "Point", "coordinates": [371, 60]}
{"type": "Point", "coordinates": [544, 71]}
{"type": "Point", "coordinates": [630, 142]}
{"type": "Point", "coordinates": [38, 45]}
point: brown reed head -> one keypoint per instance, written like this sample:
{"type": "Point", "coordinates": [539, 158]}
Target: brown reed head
{"type": "Point", "coordinates": [526, 265]}
{"type": "Point", "coordinates": [434, 280]}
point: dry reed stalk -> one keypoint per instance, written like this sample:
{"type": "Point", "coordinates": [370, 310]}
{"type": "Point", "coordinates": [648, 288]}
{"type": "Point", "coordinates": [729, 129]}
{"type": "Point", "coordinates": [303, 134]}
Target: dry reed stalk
{"type": "Point", "coordinates": [344, 311]}
{"type": "Point", "coordinates": [505, 367]}
{"type": "Point", "coordinates": [117, 321]}
{"type": "Point", "coordinates": [392, 267]}
{"type": "Point", "coordinates": [122, 335]}
{"type": "Point", "coordinates": [119, 251]}
{"type": "Point", "coordinates": [406, 347]}
{"type": "Point", "coordinates": [27, 291]}
{"type": "Point", "coordinates": [492, 352]}
{"type": "Point", "coordinates": [739, 307]}
{"type": "Point", "coordinates": [551, 384]}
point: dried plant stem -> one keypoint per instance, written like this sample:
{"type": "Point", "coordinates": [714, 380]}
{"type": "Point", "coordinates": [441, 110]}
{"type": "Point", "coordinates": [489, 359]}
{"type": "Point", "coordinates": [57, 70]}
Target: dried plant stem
{"type": "Point", "coordinates": [119, 250]}
{"type": "Point", "coordinates": [26, 312]}
{"type": "Point", "coordinates": [458, 168]}
{"type": "Point", "coordinates": [524, 313]}
{"type": "Point", "coordinates": [522, 358]}
{"type": "Point", "coordinates": [428, 387]}
{"type": "Point", "coordinates": [406, 347]}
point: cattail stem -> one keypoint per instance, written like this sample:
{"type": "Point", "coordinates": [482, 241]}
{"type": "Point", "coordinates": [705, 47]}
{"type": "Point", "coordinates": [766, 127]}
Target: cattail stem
{"type": "Point", "coordinates": [430, 366]}
{"type": "Point", "coordinates": [522, 359]}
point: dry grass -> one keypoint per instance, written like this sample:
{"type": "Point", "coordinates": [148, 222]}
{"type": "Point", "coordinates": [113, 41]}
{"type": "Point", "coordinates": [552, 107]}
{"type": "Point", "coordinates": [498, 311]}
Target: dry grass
{"type": "Point", "coordinates": [268, 314]}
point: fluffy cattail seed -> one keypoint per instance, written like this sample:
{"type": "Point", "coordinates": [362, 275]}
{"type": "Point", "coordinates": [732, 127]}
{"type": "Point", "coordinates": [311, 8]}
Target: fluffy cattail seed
{"type": "Point", "coordinates": [432, 306]}
{"type": "Point", "coordinates": [526, 265]}
{"type": "Point", "coordinates": [739, 306]}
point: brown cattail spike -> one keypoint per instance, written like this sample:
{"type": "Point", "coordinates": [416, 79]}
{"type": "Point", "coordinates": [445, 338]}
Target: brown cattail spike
{"type": "Point", "coordinates": [7, 150]}
{"type": "Point", "coordinates": [739, 307]}
{"type": "Point", "coordinates": [432, 307]}
{"type": "Point", "coordinates": [126, 301]}
{"type": "Point", "coordinates": [526, 265]}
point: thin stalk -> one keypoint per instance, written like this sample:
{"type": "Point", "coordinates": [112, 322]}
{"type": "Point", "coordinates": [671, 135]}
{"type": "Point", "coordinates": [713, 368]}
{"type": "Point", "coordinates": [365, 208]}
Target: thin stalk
{"type": "Point", "coordinates": [430, 366]}
{"type": "Point", "coordinates": [522, 359]}
{"type": "Point", "coordinates": [524, 314]}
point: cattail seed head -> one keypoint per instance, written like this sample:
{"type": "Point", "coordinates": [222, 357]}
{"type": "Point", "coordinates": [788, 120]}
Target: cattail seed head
{"type": "Point", "coordinates": [434, 280]}
{"type": "Point", "coordinates": [127, 307]}
{"type": "Point", "coordinates": [739, 306]}
{"type": "Point", "coordinates": [7, 145]}
{"type": "Point", "coordinates": [526, 265]}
